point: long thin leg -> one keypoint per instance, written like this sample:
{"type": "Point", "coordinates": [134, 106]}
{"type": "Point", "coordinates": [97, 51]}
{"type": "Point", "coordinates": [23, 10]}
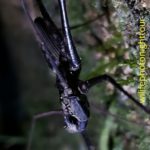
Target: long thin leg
{"type": "Point", "coordinates": [85, 23]}
{"type": "Point", "coordinates": [87, 141]}
{"type": "Point", "coordinates": [98, 109]}
{"type": "Point", "coordinates": [38, 116]}
{"type": "Point", "coordinates": [69, 44]}
{"type": "Point", "coordinates": [94, 81]}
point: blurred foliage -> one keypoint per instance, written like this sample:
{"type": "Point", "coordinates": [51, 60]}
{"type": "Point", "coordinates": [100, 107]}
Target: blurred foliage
{"type": "Point", "coordinates": [115, 123]}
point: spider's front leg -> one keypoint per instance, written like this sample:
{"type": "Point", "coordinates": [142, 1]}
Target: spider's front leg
{"type": "Point", "coordinates": [86, 85]}
{"type": "Point", "coordinates": [34, 119]}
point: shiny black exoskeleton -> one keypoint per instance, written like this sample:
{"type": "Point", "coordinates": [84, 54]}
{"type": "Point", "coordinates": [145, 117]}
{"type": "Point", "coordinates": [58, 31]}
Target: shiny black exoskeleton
{"type": "Point", "coordinates": [62, 57]}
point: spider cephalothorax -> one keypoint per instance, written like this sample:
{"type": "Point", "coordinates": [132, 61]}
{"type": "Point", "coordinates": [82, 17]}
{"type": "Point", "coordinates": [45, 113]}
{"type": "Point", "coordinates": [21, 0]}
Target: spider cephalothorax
{"type": "Point", "coordinates": [76, 112]}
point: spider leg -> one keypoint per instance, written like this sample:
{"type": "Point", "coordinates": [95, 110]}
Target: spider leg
{"type": "Point", "coordinates": [86, 85]}
{"type": "Point", "coordinates": [87, 22]}
{"type": "Point", "coordinates": [87, 141]}
{"type": "Point", "coordinates": [75, 63]}
{"type": "Point", "coordinates": [34, 119]}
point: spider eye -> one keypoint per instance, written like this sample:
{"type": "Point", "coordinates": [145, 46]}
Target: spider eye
{"type": "Point", "coordinates": [74, 125]}
{"type": "Point", "coordinates": [73, 120]}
